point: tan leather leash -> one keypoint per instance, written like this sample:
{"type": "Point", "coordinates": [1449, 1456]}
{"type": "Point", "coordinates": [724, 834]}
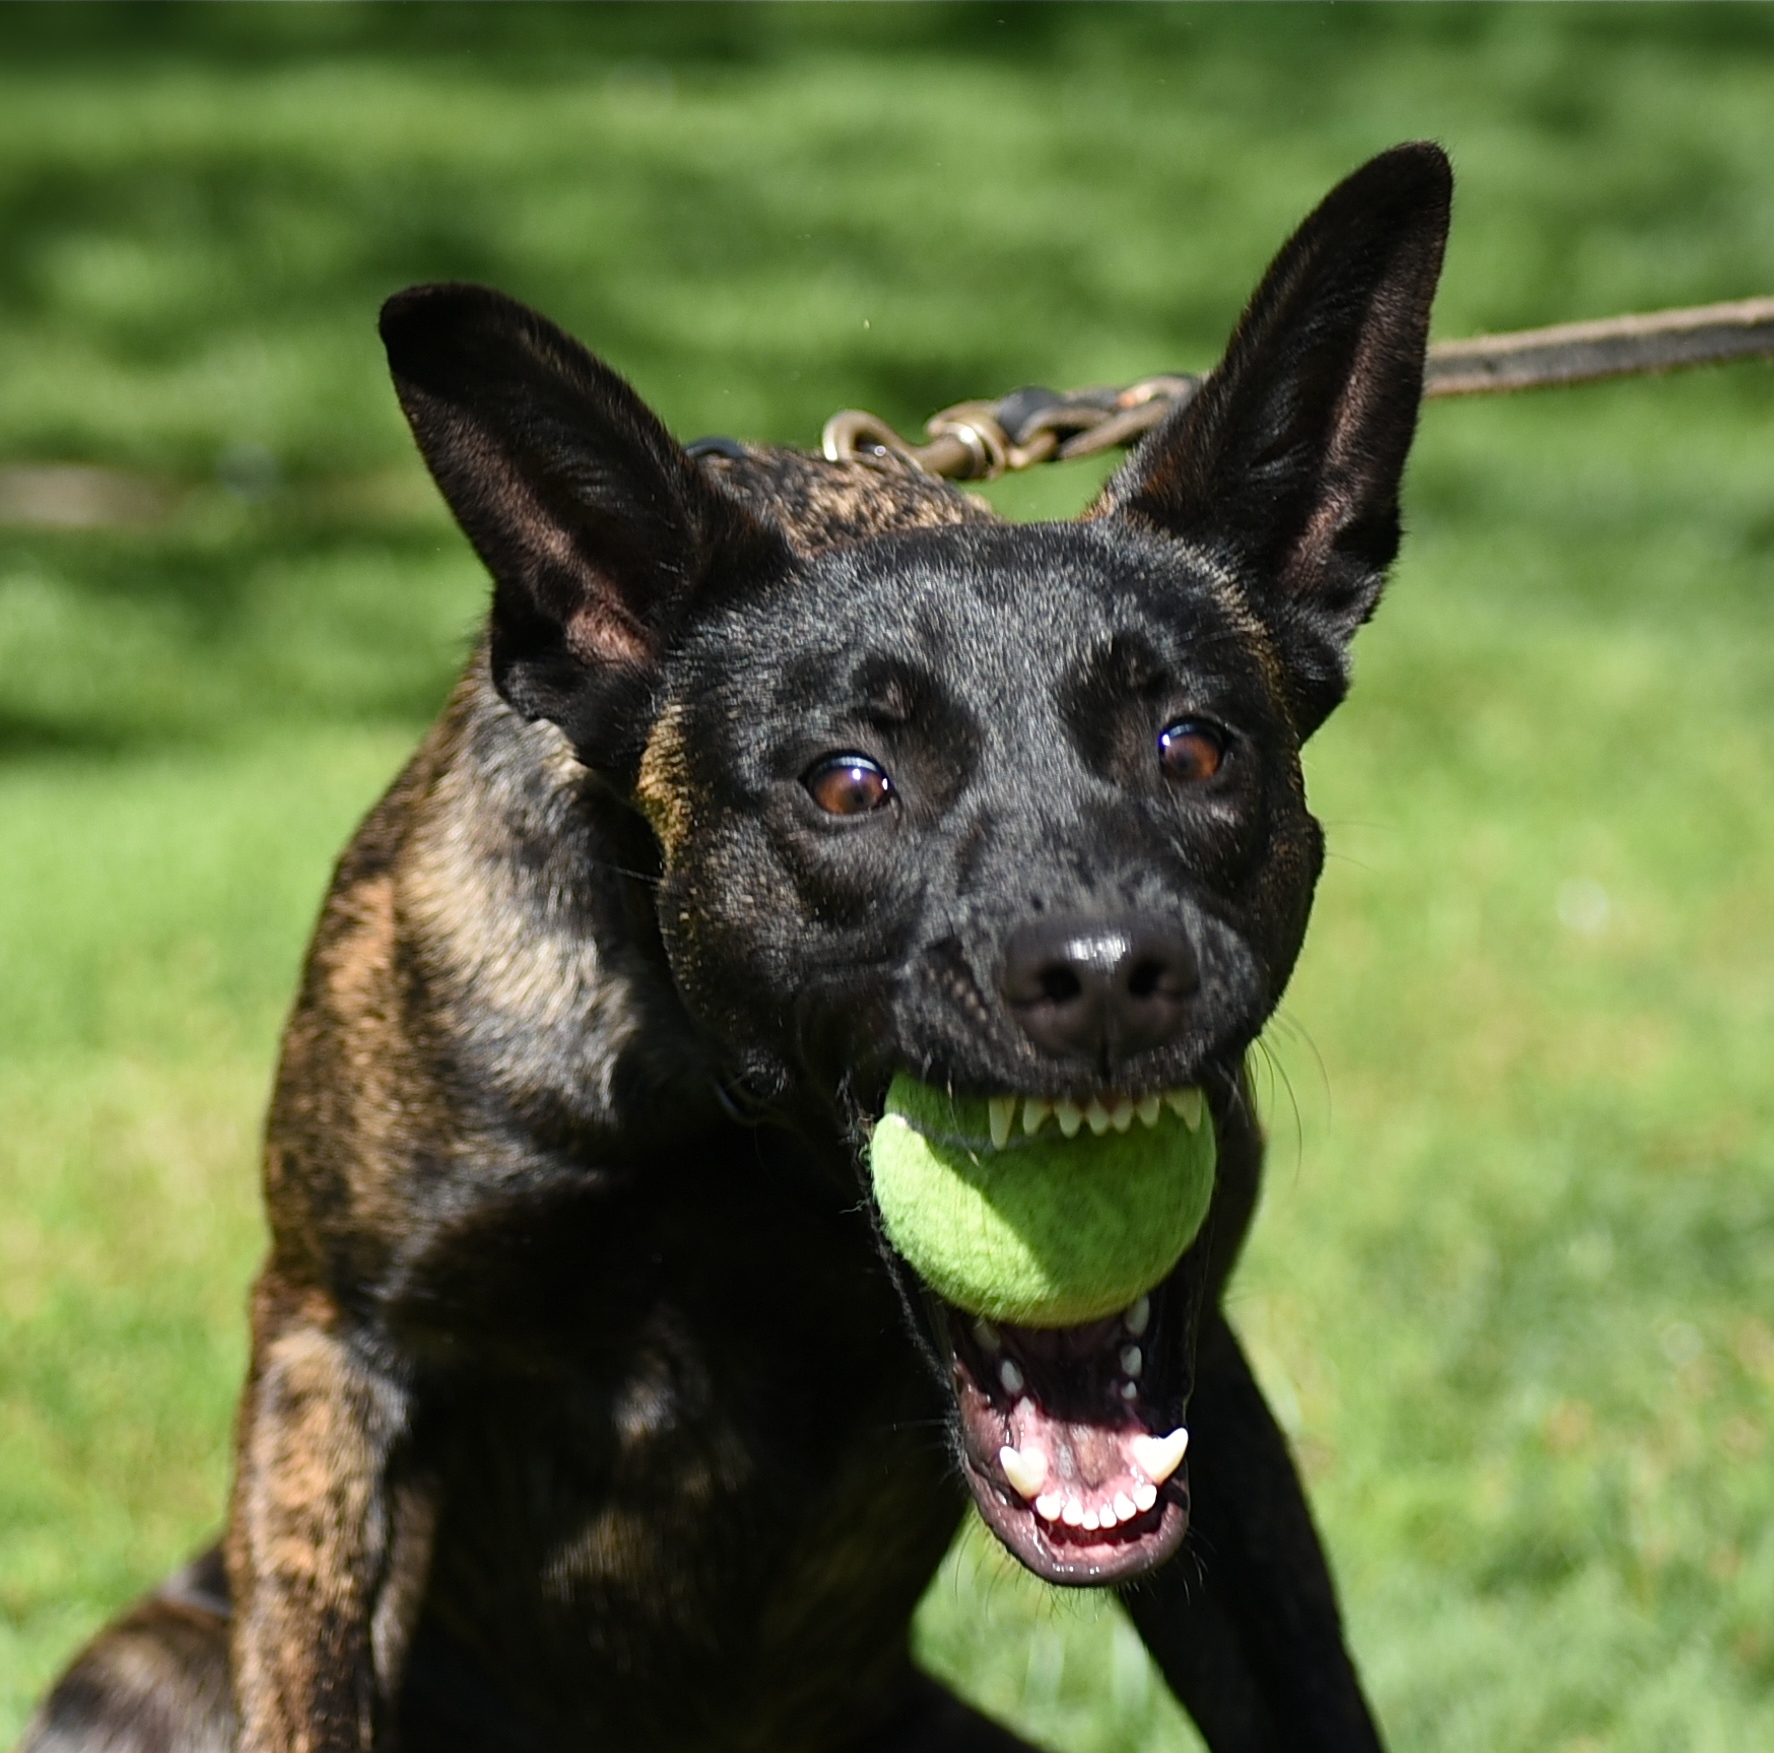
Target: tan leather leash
{"type": "Point", "coordinates": [978, 441]}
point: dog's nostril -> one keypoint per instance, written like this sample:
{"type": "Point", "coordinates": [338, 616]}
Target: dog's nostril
{"type": "Point", "coordinates": [1144, 978]}
{"type": "Point", "coordinates": [1060, 984]}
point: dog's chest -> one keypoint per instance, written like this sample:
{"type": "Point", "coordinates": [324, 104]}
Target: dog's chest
{"type": "Point", "coordinates": [694, 1476]}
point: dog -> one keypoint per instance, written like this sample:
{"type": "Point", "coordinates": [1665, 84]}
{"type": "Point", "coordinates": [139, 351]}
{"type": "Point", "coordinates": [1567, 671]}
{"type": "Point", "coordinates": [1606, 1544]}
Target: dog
{"type": "Point", "coordinates": [588, 1403]}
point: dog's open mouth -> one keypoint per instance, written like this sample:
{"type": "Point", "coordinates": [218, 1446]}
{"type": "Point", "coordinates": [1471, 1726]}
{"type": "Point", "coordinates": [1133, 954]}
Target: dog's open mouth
{"type": "Point", "coordinates": [1071, 1380]}
{"type": "Point", "coordinates": [1072, 1438]}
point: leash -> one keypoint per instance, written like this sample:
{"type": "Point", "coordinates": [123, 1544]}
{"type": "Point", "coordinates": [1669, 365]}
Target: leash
{"type": "Point", "coordinates": [978, 441]}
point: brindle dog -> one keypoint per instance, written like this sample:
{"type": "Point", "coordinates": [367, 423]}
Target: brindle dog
{"type": "Point", "coordinates": [588, 1406]}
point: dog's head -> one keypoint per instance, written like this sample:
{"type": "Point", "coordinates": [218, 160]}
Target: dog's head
{"type": "Point", "coordinates": [1013, 810]}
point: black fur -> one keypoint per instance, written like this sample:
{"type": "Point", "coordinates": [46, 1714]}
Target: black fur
{"type": "Point", "coordinates": [588, 1406]}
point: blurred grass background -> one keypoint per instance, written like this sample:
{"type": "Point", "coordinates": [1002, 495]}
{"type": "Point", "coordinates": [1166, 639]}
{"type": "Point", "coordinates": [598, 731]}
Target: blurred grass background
{"type": "Point", "coordinates": [1513, 1288]}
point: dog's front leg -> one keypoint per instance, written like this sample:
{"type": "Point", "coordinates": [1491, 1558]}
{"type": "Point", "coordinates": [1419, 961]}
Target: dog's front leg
{"type": "Point", "coordinates": [1244, 1622]}
{"type": "Point", "coordinates": [325, 1558]}
{"type": "Point", "coordinates": [932, 1719]}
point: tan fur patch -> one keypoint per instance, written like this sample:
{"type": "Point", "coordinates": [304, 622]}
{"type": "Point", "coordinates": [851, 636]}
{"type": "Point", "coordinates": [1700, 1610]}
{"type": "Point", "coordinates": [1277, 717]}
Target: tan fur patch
{"type": "Point", "coordinates": [818, 504]}
{"type": "Point", "coordinates": [502, 939]}
{"type": "Point", "coordinates": [663, 788]}
{"type": "Point", "coordinates": [300, 1537]}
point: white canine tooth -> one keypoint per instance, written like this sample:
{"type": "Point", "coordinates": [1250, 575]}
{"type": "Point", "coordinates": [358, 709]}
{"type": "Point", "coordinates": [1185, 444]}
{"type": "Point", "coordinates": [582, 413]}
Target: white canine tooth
{"type": "Point", "coordinates": [1026, 1469]}
{"type": "Point", "coordinates": [1131, 1361]}
{"type": "Point", "coordinates": [1148, 1108]}
{"type": "Point", "coordinates": [1187, 1104]}
{"type": "Point", "coordinates": [1070, 1117]}
{"type": "Point", "coordinates": [1130, 1391]}
{"type": "Point", "coordinates": [986, 1334]}
{"type": "Point", "coordinates": [1035, 1111]}
{"type": "Point", "coordinates": [1089, 1520]}
{"type": "Point", "coordinates": [1139, 1316]}
{"type": "Point", "coordinates": [1097, 1115]}
{"type": "Point", "coordinates": [1145, 1494]}
{"type": "Point", "coordinates": [1073, 1514]}
{"type": "Point", "coordinates": [1010, 1376]}
{"type": "Point", "coordinates": [1124, 1509]}
{"type": "Point", "coordinates": [1121, 1113]}
{"type": "Point", "coordinates": [1160, 1456]}
{"type": "Point", "coordinates": [1000, 1111]}
{"type": "Point", "coordinates": [1048, 1507]}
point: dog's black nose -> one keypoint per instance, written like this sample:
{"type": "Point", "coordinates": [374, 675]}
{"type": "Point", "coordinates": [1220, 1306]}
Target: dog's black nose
{"type": "Point", "coordinates": [1099, 990]}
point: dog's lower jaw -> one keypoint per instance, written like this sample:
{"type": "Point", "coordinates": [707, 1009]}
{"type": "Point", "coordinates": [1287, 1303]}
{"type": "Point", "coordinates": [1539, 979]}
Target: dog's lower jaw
{"type": "Point", "coordinates": [1072, 1439]}
{"type": "Point", "coordinates": [1080, 1555]}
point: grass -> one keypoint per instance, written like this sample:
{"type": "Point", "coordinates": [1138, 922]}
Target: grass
{"type": "Point", "coordinates": [1513, 1288]}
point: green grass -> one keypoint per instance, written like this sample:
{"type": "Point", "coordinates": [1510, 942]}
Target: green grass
{"type": "Point", "coordinates": [1513, 1288]}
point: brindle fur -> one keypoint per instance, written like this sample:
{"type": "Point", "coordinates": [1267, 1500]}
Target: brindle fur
{"type": "Point", "coordinates": [583, 1407]}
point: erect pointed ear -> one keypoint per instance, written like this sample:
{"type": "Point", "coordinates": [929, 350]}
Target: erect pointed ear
{"type": "Point", "coordinates": [1291, 453]}
{"type": "Point", "coordinates": [595, 525]}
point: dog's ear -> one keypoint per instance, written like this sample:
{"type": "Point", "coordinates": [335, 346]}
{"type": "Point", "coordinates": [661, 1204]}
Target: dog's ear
{"type": "Point", "coordinates": [1291, 453]}
{"type": "Point", "coordinates": [595, 525]}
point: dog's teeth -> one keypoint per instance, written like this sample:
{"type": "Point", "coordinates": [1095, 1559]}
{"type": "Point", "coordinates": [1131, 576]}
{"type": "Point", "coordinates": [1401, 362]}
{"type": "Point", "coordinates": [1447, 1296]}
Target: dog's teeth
{"type": "Point", "coordinates": [1098, 1116]}
{"type": "Point", "coordinates": [1149, 1108]}
{"type": "Point", "coordinates": [1121, 1113]}
{"type": "Point", "coordinates": [1131, 1360]}
{"type": "Point", "coordinates": [1187, 1104]}
{"type": "Point", "coordinates": [1145, 1494]}
{"type": "Point", "coordinates": [1124, 1507]}
{"type": "Point", "coordinates": [1160, 1456]}
{"type": "Point", "coordinates": [1130, 1390]}
{"type": "Point", "coordinates": [1010, 1376]}
{"type": "Point", "coordinates": [987, 1335]}
{"type": "Point", "coordinates": [1070, 1117]}
{"type": "Point", "coordinates": [1035, 1112]}
{"type": "Point", "coordinates": [1073, 1514]}
{"type": "Point", "coordinates": [1000, 1111]}
{"type": "Point", "coordinates": [1090, 1521]}
{"type": "Point", "coordinates": [1139, 1316]}
{"type": "Point", "coordinates": [1026, 1469]}
{"type": "Point", "coordinates": [1049, 1507]}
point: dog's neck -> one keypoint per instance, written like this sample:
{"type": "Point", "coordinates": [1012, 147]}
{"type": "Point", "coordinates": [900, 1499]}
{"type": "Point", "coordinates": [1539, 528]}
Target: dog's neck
{"type": "Point", "coordinates": [526, 892]}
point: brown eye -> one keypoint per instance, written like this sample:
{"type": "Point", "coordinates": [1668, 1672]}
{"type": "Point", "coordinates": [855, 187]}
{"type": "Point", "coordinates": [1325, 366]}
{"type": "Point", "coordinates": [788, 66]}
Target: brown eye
{"type": "Point", "coordinates": [848, 785]}
{"type": "Point", "coordinates": [1191, 749]}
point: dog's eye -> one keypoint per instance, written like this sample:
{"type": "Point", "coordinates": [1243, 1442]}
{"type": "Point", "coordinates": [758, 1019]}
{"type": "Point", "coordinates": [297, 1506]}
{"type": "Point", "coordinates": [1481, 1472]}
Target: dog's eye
{"type": "Point", "coordinates": [848, 785]}
{"type": "Point", "coordinates": [1191, 749]}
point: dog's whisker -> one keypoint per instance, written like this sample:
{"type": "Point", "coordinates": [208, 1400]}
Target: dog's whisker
{"type": "Point", "coordinates": [1278, 1076]}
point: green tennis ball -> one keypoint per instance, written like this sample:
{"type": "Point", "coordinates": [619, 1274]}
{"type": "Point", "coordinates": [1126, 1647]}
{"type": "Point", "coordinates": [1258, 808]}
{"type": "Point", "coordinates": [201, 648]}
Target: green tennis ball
{"type": "Point", "coordinates": [1044, 1231]}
